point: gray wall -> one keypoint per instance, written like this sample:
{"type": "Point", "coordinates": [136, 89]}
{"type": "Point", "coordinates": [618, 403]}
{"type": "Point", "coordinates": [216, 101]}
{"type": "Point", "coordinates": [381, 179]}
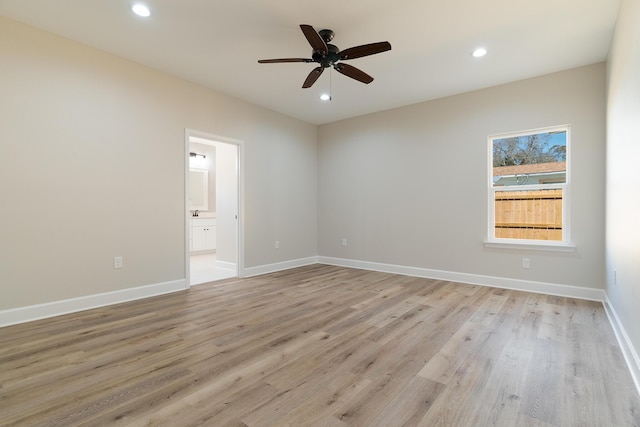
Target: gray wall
{"type": "Point", "coordinates": [623, 180]}
{"type": "Point", "coordinates": [409, 186]}
{"type": "Point", "coordinates": [92, 166]}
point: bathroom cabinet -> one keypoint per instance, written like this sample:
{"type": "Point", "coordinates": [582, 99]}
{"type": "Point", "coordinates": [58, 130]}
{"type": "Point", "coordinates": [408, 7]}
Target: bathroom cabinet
{"type": "Point", "coordinates": [203, 234]}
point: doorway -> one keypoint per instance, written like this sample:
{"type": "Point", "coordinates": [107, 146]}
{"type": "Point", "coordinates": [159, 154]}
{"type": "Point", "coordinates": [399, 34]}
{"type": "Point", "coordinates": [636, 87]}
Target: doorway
{"type": "Point", "coordinates": [213, 219]}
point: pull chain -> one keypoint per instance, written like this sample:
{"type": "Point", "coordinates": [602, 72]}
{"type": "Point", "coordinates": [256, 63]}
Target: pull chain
{"type": "Point", "coordinates": [330, 84]}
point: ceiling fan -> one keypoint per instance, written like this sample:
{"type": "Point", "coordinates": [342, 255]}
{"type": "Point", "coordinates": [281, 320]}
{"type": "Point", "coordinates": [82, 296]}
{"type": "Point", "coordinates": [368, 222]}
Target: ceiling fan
{"type": "Point", "coordinates": [328, 55]}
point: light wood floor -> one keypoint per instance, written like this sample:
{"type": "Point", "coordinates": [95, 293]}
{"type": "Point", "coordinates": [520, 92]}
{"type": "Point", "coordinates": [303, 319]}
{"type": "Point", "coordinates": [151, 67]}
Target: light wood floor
{"type": "Point", "coordinates": [321, 346]}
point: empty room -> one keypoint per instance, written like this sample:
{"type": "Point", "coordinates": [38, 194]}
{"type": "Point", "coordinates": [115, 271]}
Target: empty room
{"type": "Point", "coordinates": [280, 213]}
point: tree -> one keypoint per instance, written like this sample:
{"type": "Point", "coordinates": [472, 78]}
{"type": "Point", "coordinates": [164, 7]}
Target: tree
{"type": "Point", "coordinates": [527, 150]}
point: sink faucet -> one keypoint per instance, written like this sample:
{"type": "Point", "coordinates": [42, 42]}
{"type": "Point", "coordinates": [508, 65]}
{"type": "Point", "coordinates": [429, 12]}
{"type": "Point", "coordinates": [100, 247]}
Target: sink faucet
{"type": "Point", "coordinates": [196, 212]}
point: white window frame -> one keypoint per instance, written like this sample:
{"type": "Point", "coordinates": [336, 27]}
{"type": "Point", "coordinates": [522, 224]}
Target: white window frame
{"type": "Point", "coordinates": [563, 245]}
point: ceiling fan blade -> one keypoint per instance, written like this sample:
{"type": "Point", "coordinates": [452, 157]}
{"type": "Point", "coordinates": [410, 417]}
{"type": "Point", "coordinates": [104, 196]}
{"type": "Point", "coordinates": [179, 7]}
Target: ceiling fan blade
{"type": "Point", "coordinates": [365, 50]}
{"type": "Point", "coordinates": [312, 77]}
{"type": "Point", "coordinates": [275, 61]}
{"type": "Point", "coordinates": [314, 39]}
{"type": "Point", "coordinates": [353, 72]}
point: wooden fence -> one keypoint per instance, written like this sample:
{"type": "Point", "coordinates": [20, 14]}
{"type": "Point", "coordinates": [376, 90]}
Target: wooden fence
{"type": "Point", "coordinates": [535, 215]}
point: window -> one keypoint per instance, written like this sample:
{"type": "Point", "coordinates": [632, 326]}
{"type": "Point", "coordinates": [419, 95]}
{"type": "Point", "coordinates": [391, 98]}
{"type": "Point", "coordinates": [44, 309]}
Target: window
{"type": "Point", "coordinates": [529, 187]}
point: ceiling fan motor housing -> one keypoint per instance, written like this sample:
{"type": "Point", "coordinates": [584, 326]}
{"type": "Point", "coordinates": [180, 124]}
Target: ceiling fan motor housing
{"type": "Point", "coordinates": [330, 58]}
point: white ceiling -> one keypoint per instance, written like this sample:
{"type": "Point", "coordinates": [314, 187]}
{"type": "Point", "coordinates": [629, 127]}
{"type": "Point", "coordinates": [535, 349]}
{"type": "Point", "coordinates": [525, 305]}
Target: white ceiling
{"type": "Point", "coordinates": [217, 43]}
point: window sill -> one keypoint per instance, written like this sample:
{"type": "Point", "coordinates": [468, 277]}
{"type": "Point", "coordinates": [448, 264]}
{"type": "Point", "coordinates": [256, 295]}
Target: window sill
{"type": "Point", "coordinates": [529, 245]}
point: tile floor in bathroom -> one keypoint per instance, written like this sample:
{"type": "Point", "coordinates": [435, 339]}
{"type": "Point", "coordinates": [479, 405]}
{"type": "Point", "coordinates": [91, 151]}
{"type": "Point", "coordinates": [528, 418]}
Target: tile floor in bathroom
{"type": "Point", "coordinates": [203, 269]}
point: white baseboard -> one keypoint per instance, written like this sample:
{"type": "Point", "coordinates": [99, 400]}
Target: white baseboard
{"type": "Point", "coordinates": [473, 279]}
{"type": "Point", "coordinates": [279, 266]}
{"type": "Point", "coordinates": [224, 265]}
{"type": "Point", "coordinates": [56, 308]}
{"type": "Point", "coordinates": [626, 346]}
{"type": "Point", "coordinates": [41, 311]}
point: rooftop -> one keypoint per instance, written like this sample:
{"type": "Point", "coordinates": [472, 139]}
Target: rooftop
{"type": "Point", "coordinates": [530, 169]}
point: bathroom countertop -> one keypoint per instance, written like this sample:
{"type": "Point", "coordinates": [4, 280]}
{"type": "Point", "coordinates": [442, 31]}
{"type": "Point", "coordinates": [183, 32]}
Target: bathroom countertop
{"type": "Point", "coordinates": [205, 215]}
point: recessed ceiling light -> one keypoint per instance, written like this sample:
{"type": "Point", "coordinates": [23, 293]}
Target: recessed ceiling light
{"type": "Point", "coordinates": [141, 10]}
{"type": "Point", "coordinates": [479, 52]}
{"type": "Point", "coordinates": [325, 97]}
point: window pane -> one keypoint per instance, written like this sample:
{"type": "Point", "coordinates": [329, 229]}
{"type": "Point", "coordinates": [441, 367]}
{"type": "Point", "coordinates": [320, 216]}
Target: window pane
{"type": "Point", "coordinates": [534, 214]}
{"type": "Point", "coordinates": [538, 158]}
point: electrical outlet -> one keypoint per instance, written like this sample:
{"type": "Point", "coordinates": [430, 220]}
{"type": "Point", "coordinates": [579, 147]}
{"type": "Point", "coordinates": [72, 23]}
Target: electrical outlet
{"type": "Point", "coordinates": [118, 262]}
{"type": "Point", "coordinates": [344, 242]}
{"type": "Point", "coordinates": [277, 244]}
{"type": "Point", "coordinates": [526, 263]}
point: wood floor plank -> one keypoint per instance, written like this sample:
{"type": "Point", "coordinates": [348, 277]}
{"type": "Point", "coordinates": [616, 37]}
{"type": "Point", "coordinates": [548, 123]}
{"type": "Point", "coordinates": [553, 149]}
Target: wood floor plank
{"type": "Point", "coordinates": [321, 346]}
{"type": "Point", "coordinates": [323, 402]}
{"type": "Point", "coordinates": [410, 405]}
{"type": "Point", "coordinates": [545, 381]}
{"type": "Point", "coordinates": [459, 402]}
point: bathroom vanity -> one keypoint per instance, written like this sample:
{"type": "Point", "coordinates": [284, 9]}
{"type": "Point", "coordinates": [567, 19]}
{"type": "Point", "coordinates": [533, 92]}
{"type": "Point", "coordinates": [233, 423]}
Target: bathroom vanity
{"type": "Point", "coordinates": [203, 234]}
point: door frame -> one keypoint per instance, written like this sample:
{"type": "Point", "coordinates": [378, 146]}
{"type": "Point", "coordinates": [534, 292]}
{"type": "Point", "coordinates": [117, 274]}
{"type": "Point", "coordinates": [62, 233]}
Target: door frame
{"type": "Point", "coordinates": [188, 134]}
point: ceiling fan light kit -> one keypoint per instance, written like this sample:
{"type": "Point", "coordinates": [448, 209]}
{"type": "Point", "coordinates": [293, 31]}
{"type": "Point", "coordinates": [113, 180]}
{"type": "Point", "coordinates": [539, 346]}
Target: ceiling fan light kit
{"type": "Point", "coordinates": [328, 55]}
{"type": "Point", "coordinates": [141, 10]}
{"type": "Point", "coordinates": [479, 52]}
